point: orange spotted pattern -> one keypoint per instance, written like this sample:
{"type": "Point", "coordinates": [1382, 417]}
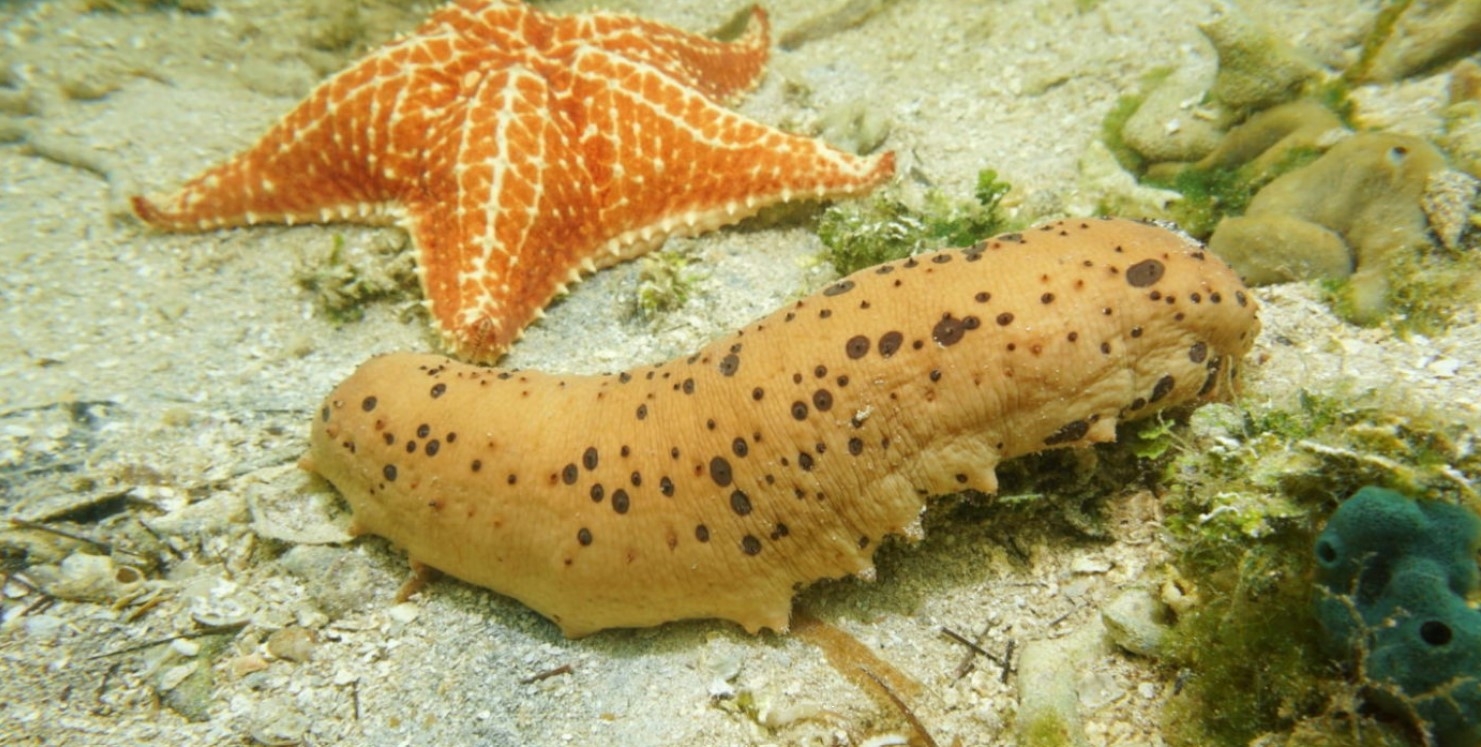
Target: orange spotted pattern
{"type": "Point", "coordinates": [717, 484]}
{"type": "Point", "coordinates": [522, 150]}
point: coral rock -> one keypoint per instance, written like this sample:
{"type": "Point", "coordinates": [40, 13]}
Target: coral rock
{"type": "Point", "coordinates": [1365, 192]}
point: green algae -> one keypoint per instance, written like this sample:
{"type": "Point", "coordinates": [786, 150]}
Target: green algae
{"type": "Point", "coordinates": [344, 280]}
{"type": "Point", "coordinates": [886, 227]}
{"type": "Point", "coordinates": [1211, 194]}
{"type": "Point", "coordinates": [1248, 488]}
{"type": "Point", "coordinates": [666, 281]}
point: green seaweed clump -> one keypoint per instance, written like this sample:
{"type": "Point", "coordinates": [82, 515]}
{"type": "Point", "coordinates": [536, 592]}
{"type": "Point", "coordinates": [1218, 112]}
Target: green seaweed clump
{"type": "Point", "coordinates": [665, 281]}
{"type": "Point", "coordinates": [1396, 575]}
{"type": "Point", "coordinates": [344, 280]}
{"type": "Point", "coordinates": [1248, 488]}
{"type": "Point", "coordinates": [1214, 191]}
{"type": "Point", "coordinates": [884, 228]}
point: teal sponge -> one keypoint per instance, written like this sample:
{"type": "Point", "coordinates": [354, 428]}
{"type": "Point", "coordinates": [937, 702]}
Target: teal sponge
{"type": "Point", "coordinates": [1396, 576]}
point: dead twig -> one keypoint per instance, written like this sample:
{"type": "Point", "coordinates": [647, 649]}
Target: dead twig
{"type": "Point", "coordinates": [202, 633]}
{"type": "Point", "coordinates": [547, 674]}
{"type": "Point", "coordinates": [915, 723]}
{"type": "Point", "coordinates": [106, 547]}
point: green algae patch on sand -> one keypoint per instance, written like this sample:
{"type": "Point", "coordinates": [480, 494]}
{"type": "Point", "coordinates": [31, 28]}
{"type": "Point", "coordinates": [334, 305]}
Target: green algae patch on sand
{"type": "Point", "coordinates": [1248, 488]}
{"type": "Point", "coordinates": [887, 226]}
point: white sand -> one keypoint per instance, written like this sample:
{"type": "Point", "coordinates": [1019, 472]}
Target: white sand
{"type": "Point", "coordinates": [198, 359]}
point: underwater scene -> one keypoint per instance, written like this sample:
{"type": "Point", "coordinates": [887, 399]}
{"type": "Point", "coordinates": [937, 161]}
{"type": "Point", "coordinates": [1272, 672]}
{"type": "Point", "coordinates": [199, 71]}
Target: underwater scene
{"type": "Point", "coordinates": [831, 373]}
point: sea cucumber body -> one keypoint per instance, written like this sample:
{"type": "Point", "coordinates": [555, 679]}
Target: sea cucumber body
{"type": "Point", "coordinates": [716, 485]}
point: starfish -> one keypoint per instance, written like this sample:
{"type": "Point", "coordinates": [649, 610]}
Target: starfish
{"type": "Point", "coordinates": [521, 151]}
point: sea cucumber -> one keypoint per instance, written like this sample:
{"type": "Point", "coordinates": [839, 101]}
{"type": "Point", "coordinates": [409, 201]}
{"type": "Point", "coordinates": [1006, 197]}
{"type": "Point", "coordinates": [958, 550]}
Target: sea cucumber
{"type": "Point", "coordinates": [716, 485]}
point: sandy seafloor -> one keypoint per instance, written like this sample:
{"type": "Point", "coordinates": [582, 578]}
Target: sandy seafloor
{"type": "Point", "coordinates": [169, 379]}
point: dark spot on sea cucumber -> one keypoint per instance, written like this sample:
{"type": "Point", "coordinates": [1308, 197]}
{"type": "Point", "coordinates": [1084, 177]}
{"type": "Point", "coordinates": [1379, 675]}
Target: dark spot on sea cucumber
{"type": "Point", "coordinates": [598, 493]}
{"type": "Point", "coordinates": [1072, 431]}
{"type": "Point", "coordinates": [720, 471]}
{"type": "Point", "coordinates": [935, 374]}
{"type": "Point", "coordinates": [624, 377]}
{"type": "Point", "coordinates": [1213, 377]}
{"type": "Point", "coordinates": [941, 258]}
{"type": "Point", "coordinates": [729, 365]}
{"type": "Point", "coordinates": [857, 347]}
{"type": "Point", "coordinates": [366, 404]}
{"type": "Point", "coordinates": [620, 501]}
{"type": "Point", "coordinates": [820, 371]}
{"type": "Point", "coordinates": [1144, 273]}
{"type": "Point", "coordinates": [1047, 298]}
{"type": "Point", "coordinates": [1005, 319]}
{"type": "Point", "coordinates": [740, 503]}
{"type": "Point", "coordinates": [1198, 352]}
{"type": "Point", "coordinates": [1136, 332]}
{"type": "Point", "coordinates": [949, 331]}
{"type": "Point", "coordinates": [855, 446]}
{"type": "Point", "coordinates": [823, 400]}
{"type": "Point", "coordinates": [839, 288]}
{"type": "Point", "coordinates": [758, 393]}
{"type": "Point", "coordinates": [624, 451]}
{"type": "Point", "coordinates": [432, 447]}
{"type": "Point", "coordinates": [750, 545]}
{"type": "Point", "coordinates": [389, 471]}
{"type": "Point", "coordinates": [476, 465]}
{"type": "Point", "coordinates": [424, 430]}
{"type": "Point", "coordinates": [688, 386]}
{"type": "Point", "coordinates": [666, 486]}
{"type": "Point", "coordinates": [636, 479]}
{"type": "Point", "coordinates": [1163, 387]}
{"type": "Point", "coordinates": [804, 460]}
{"type": "Point", "coordinates": [779, 531]}
{"type": "Point", "coordinates": [799, 411]}
{"type": "Point", "coordinates": [438, 390]}
{"type": "Point", "coordinates": [739, 446]}
{"type": "Point", "coordinates": [889, 343]}
{"type": "Point", "coordinates": [584, 536]}
{"type": "Point", "coordinates": [411, 447]}
{"type": "Point", "coordinates": [642, 412]}
{"type": "Point", "coordinates": [702, 533]}
{"type": "Point", "coordinates": [324, 413]}
{"type": "Point", "coordinates": [569, 474]}
{"type": "Point", "coordinates": [589, 458]}
{"type": "Point", "coordinates": [390, 438]}
{"type": "Point", "coordinates": [1240, 298]}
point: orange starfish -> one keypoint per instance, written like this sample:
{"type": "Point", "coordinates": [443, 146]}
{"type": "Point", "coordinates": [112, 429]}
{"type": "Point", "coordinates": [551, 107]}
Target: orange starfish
{"type": "Point", "coordinates": [522, 150]}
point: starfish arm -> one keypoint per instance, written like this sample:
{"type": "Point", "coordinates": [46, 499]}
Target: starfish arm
{"type": "Point", "coordinates": [723, 71]}
{"type": "Point", "coordinates": [667, 161]}
{"type": "Point", "coordinates": [333, 157]}
{"type": "Point", "coordinates": [501, 226]}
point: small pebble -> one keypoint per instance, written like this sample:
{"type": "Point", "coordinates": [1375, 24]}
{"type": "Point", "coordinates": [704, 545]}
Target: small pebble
{"type": "Point", "coordinates": [292, 643]}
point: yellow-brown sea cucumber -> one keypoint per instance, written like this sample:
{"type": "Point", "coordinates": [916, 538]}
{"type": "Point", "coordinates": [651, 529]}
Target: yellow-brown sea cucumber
{"type": "Point", "coordinates": [718, 484]}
